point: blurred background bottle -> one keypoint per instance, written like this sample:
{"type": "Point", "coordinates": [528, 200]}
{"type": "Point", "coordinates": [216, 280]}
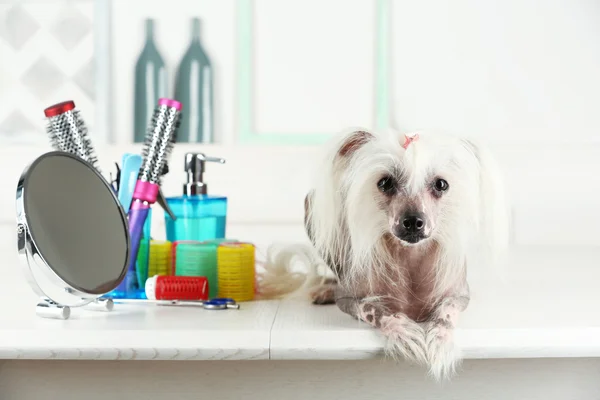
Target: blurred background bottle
{"type": "Point", "coordinates": [150, 83]}
{"type": "Point", "coordinates": [194, 88]}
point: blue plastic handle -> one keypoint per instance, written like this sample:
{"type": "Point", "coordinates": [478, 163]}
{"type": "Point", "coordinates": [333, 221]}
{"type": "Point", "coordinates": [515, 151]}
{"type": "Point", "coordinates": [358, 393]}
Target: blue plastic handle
{"type": "Point", "coordinates": [219, 301]}
{"type": "Point", "coordinates": [130, 168]}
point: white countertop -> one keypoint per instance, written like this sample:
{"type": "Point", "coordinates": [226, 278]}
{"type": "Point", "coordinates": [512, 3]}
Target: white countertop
{"type": "Point", "coordinates": [548, 307]}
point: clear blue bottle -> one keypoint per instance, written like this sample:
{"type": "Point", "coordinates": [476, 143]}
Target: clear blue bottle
{"type": "Point", "coordinates": [199, 216]}
{"type": "Point", "coordinates": [141, 267]}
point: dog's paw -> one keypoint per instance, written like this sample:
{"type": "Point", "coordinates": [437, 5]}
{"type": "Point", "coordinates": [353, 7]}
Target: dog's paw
{"type": "Point", "coordinates": [324, 294]}
{"type": "Point", "coordinates": [406, 338]}
{"type": "Point", "coordinates": [442, 356]}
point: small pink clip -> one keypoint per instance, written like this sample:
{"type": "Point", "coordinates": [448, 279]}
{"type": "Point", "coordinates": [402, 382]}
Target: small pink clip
{"type": "Point", "coordinates": [409, 138]}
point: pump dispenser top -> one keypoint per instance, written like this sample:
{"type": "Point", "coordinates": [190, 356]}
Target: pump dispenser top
{"type": "Point", "coordinates": [199, 216]}
{"type": "Point", "coordinates": [195, 168]}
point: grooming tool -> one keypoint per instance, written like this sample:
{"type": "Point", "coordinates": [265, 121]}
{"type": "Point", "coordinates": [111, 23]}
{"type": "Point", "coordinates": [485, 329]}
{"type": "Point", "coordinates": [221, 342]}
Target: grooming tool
{"type": "Point", "coordinates": [193, 258]}
{"type": "Point", "coordinates": [162, 201]}
{"type": "Point", "coordinates": [143, 258]}
{"type": "Point", "coordinates": [159, 262]}
{"type": "Point", "coordinates": [236, 270]}
{"type": "Point", "coordinates": [72, 256]}
{"type": "Point", "coordinates": [223, 300]}
{"type": "Point", "coordinates": [118, 177]}
{"type": "Point", "coordinates": [200, 216]}
{"type": "Point", "coordinates": [214, 304]}
{"type": "Point", "coordinates": [68, 133]}
{"type": "Point", "coordinates": [130, 168]}
{"type": "Point", "coordinates": [177, 288]}
{"type": "Point", "coordinates": [113, 183]}
{"type": "Point", "coordinates": [157, 148]}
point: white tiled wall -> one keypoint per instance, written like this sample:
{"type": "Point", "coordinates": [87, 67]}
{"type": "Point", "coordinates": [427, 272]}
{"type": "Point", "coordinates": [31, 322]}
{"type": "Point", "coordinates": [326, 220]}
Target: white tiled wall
{"type": "Point", "coordinates": [46, 56]}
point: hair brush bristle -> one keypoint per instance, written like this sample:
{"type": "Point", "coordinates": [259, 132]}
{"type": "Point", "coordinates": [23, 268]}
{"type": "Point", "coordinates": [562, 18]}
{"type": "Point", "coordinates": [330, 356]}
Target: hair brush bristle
{"type": "Point", "coordinates": [160, 139]}
{"type": "Point", "coordinates": [165, 167]}
{"type": "Point", "coordinates": [68, 133]}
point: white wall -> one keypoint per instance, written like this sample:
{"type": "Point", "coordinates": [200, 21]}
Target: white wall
{"type": "Point", "coordinates": [553, 194]}
{"type": "Point", "coordinates": [513, 71]}
{"type": "Point", "coordinates": [516, 70]}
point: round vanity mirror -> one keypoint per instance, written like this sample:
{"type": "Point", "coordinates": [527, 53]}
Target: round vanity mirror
{"type": "Point", "coordinates": [72, 232]}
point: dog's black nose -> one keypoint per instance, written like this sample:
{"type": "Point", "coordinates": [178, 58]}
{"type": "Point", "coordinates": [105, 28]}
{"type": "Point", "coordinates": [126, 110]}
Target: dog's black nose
{"type": "Point", "coordinates": [413, 223]}
{"type": "Point", "coordinates": [411, 228]}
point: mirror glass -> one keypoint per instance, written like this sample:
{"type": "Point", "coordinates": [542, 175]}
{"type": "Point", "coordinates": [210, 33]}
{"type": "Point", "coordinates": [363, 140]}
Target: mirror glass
{"type": "Point", "coordinates": [76, 222]}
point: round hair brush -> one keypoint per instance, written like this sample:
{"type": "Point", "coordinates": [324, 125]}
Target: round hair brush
{"type": "Point", "coordinates": [160, 138]}
{"type": "Point", "coordinates": [68, 132]}
{"type": "Point", "coordinates": [159, 142]}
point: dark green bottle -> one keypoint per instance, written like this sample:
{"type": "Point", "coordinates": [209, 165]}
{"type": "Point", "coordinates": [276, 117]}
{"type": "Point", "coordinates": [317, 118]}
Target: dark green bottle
{"type": "Point", "coordinates": [194, 88]}
{"type": "Point", "coordinates": [150, 83]}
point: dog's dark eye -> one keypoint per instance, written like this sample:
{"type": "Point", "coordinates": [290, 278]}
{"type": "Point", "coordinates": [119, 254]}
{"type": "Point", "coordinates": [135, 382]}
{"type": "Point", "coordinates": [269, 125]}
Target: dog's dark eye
{"type": "Point", "coordinates": [440, 185]}
{"type": "Point", "coordinates": [386, 184]}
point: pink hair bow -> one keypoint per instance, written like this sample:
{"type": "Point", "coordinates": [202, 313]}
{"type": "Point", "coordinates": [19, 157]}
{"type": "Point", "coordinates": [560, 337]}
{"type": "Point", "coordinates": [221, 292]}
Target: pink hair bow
{"type": "Point", "coordinates": [409, 138]}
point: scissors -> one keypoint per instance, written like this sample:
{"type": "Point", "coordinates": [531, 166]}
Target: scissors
{"type": "Point", "coordinates": [220, 304]}
{"type": "Point", "coordinates": [212, 304]}
{"type": "Point", "coordinates": [115, 183]}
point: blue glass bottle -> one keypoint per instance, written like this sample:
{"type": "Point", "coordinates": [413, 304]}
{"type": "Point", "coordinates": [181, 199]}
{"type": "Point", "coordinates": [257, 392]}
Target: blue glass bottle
{"type": "Point", "coordinates": [150, 83]}
{"type": "Point", "coordinates": [199, 216]}
{"type": "Point", "coordinates": [194, 88]}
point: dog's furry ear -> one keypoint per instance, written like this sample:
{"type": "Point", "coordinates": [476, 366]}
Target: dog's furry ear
{"type": "Point", "coordinates": [494, 219]}
{"type": "Point", "coordinates": [353, 142]}
{"type": "Point", "coordinates": [324, 205]}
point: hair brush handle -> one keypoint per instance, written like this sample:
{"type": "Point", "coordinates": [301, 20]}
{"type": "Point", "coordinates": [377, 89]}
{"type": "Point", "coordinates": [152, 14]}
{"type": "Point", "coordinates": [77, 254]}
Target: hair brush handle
{"type": "Point", "coordinates": [137, 218]}
{"type": "Point", "coordinates": [159, 143]}
{"type": "Point", "coordinates": [144, 196]}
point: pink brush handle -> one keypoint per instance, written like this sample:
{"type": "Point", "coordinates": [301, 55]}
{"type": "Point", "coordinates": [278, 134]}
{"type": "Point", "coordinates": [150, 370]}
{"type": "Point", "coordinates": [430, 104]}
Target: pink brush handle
{"type": "Point", "coordinates": [146, 191]}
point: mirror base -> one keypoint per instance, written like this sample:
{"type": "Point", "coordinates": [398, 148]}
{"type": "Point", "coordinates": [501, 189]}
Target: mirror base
{"type": "Point", "coordinates": [46, 308]}
{"type": "Point", "coordinates": [100, 305]}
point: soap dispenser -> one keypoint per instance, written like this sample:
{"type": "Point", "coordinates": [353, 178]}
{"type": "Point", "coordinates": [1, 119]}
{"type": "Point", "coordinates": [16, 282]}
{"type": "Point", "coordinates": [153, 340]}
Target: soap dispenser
{"type": "Point", "coordinates": [199, 216]}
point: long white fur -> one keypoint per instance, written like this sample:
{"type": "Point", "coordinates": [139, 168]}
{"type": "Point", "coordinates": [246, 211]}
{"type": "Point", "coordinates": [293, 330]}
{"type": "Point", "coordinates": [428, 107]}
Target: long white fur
{"type": "Point", "coordinates": [347, 224]}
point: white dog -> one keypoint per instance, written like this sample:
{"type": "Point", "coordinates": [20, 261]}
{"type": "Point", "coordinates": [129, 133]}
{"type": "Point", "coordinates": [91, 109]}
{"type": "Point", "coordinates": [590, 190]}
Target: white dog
{"type": "Point", "coordinates": [395, 217]}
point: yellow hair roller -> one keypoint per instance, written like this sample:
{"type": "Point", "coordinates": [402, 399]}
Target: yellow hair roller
{"type": "Point", "coordinates": [236, 270]}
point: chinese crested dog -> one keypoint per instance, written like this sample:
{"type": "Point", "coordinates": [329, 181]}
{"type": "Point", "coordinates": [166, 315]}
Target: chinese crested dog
{"type": "Point", "coordinates": [396, 218]}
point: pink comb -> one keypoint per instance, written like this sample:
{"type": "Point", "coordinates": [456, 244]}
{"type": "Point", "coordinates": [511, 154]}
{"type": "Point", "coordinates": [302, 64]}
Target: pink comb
{"type": "Point", "coordinates": [409, 138]}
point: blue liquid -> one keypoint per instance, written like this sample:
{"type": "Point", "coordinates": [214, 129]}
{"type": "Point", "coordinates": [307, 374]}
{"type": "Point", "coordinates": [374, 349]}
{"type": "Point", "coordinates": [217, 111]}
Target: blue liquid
{"type": "Point", "coordinates": [201, 229]}
{"type": "Point", "coordinates": [199, 217]}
